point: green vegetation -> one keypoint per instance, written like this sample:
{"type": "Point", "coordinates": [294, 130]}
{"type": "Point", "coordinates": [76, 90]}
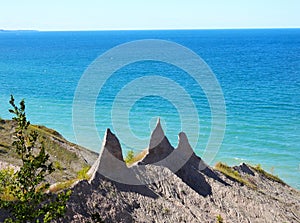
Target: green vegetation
{"type": "Point", "coordinates": [62, 185]}
{"type": "Point", "coordinates": [233, 174]}
{"type": "Point", "coordinates": [63, 154]}
{"type": "Point", "coordinates": [54, 147]}
{"type": "Point", "coordinates": [57, 165]}
{"type": "Point", "coordinates": [27, 186]}
{"type": "Point", "coordinates": [269, 176]}
{"type": "Point", "coordinates": [44, 130]}
{"type": "Point", "coordinates": [220, 219]}
{"type": "Point", "coordinates": [6, 179]}
{"type": "Point", "coordinates": [131, 158]}
{"type": "Point", "coordinates": [166, 211]}
{"type": "Point", "coordinates": [82, 174]}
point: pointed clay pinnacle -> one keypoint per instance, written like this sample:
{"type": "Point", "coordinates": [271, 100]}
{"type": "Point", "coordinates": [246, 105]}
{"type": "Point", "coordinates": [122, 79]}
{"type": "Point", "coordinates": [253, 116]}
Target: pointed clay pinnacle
{"type": "Point", "coordinates": [183, 143]}
{"type": "Point", "coordinates": [110, 164]}
{"type": "Point", "coordinates": [157, 135]}
{"type": "Point", "coordinates": [112, 145]}
{"type": "Point", "coordinates": [159, 146]}
{"type": "Point", "coordinates": [110, 161]}
{"type": "Point", "coordinates": [184, 149]}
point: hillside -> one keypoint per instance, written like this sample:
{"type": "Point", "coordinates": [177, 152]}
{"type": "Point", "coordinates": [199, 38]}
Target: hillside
{"type": "Point", "coordinates": [68, 158]}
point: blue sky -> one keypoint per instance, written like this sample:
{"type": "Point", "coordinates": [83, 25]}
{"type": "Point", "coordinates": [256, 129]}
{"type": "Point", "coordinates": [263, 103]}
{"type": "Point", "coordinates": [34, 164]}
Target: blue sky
{"type": "Point", "coordinates": [148, 14]}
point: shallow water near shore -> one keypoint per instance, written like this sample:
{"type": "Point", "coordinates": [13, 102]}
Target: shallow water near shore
{"type": "Point", "coordinates": [258, 70]}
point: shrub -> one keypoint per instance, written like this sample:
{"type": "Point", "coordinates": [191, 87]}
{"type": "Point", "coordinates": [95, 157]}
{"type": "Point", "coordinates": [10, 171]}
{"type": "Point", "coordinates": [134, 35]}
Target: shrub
{"type": "Point", "coordinates": [31, 203]}
{"type": "Point", "coordinates": [132, 158]}
{"type": "Point", "coordinates": [82, 174]}
{"type": "Point", "coordinates": [6, 179]}
{"type": "Point", "coordinates": [129, 157]}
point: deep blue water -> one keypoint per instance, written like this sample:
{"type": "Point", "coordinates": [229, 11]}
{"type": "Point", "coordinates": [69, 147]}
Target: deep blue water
{"type": "Point", "coordinates": [258, 70]}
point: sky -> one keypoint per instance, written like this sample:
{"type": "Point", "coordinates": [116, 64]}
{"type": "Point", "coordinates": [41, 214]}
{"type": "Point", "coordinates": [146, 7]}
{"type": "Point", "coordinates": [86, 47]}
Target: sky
{"type": "Point", "coordinates": [147, 14]}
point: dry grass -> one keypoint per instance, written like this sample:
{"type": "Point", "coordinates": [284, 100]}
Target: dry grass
{"type": "Point", "coordinates": [267, 175]}
{"type": "Point", "coordinates": [62, 185]}
{"type": "Point", "coordinates": [7, 196]}
{"type": "Point", "coordinates": [233, 174]}
{"type": "Point", "coordinates": [65, 156]}
{"type": "Point", "coordinates": [45, 130]}
{"type": "Point", "coordinates": [81, 175]}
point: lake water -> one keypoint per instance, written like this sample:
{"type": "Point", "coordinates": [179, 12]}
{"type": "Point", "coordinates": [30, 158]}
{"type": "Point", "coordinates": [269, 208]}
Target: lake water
{"type": "Point", "coordinates": [258, 70]}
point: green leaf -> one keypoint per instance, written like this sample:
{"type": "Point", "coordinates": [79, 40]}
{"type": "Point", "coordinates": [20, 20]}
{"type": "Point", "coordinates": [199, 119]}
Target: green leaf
{"type": "Point", "coordinates": [29, 183]}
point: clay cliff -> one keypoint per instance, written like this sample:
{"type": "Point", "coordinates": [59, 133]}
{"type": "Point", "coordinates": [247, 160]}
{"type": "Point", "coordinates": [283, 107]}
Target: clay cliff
{"type": "Point", "coordinates": [175, 185]}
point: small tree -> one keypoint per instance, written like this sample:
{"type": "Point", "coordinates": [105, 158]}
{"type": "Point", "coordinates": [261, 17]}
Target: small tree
{"type": "Point", "coordinates": [32, 203]}
{"type": "Point", "coordinates": [129, 157]}
{"type": "Point", "coordinates": [6, 179]}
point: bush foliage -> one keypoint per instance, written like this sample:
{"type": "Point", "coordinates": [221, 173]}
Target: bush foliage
{"type": "Point", "coordinates": [30, 202]}
{"type": "Point", "coordinates": [129, 156]}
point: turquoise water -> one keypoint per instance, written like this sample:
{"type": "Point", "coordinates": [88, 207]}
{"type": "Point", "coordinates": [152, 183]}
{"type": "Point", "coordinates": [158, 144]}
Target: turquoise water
{"type": "Point", "coordinates": [258, 70]}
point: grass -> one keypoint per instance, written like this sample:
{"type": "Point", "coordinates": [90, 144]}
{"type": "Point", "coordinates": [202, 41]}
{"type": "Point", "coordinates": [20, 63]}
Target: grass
{"type": "Point", "coordinates": [68, 165]}
{"type": "Point", "coordinates": [131, 158]}
{"type": "Point", "coordinates": [219, 219]}
{"type": "Point", "coordinates": [6, 175]}
{"type": "Point", "coordinates": [81, 175]}
{"type": "Point", "coordinates": [5, 146]}
{"type": "Point", "coordinates": [166, 211]}
{"type": "Point", "coordinates": [53, 147]}
{"type": "Point", "coordinates": [45, 130]}
{"type": "Point", "coordinates": [54, 143]}
{"type": "Point", "coordinates": [233, 174]}
{"type": "Point", "coordinates": [269, 176]}
{"type": "Point", "coordinates": [57, 165]}
{"type": "Point", "coordinates": [62, 185]}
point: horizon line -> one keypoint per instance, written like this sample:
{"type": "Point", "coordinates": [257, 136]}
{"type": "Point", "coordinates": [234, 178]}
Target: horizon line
{"type": "Point", "coordinates": [144, 29]}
